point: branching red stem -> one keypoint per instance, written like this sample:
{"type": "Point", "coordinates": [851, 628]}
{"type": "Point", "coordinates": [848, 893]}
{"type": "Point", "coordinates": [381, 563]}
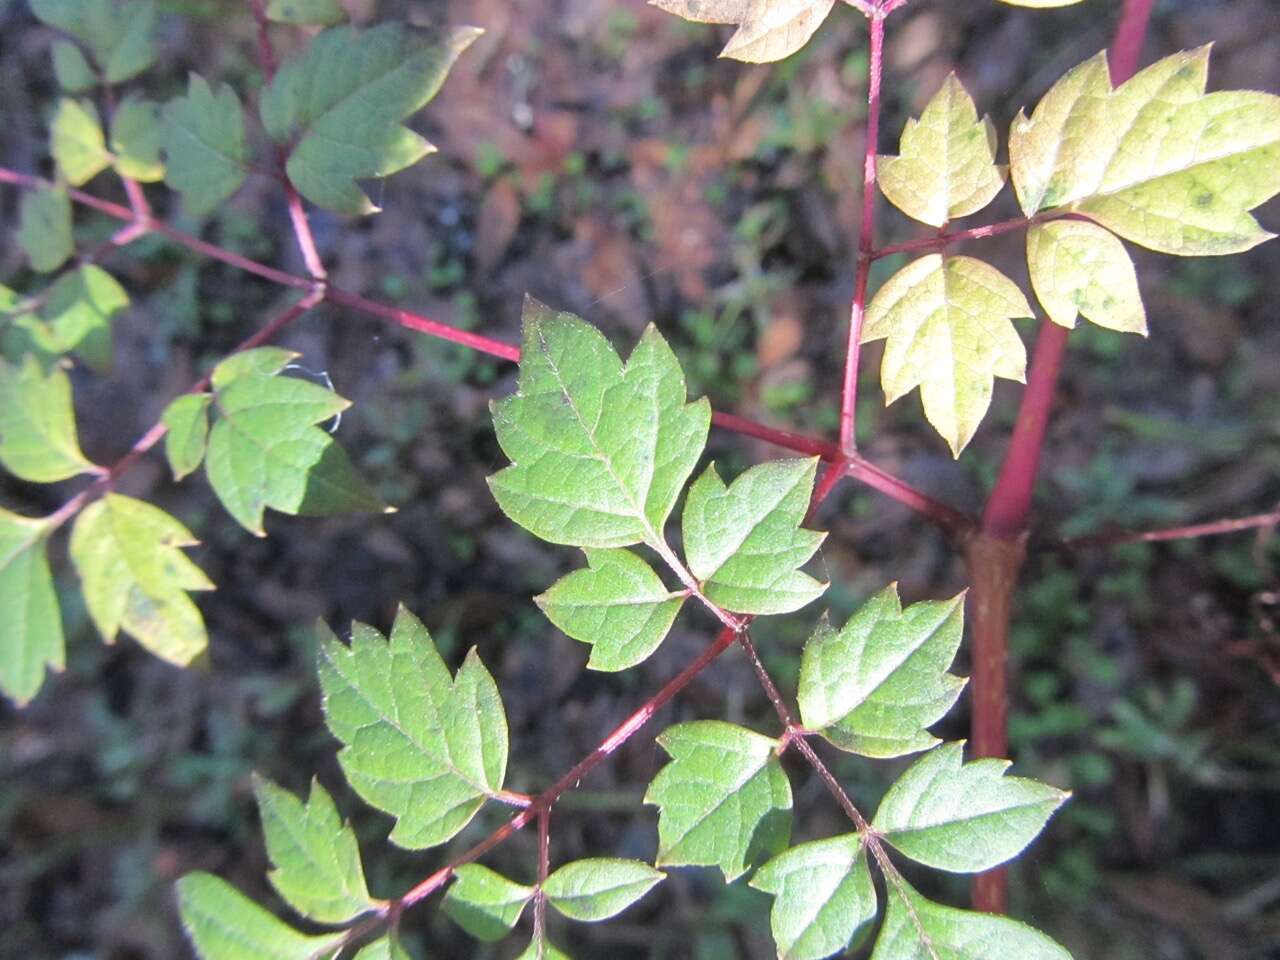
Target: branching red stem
{"type": "Point", "coordinates": [1214, 528]}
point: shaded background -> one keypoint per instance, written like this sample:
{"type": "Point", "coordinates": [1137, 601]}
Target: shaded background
{"type": "Point", "coordinates": [597, 155]}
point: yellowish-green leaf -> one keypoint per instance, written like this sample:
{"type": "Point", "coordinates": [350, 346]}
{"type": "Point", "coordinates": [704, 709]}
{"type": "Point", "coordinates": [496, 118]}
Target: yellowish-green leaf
{"type": "Point", "coordinates": [948, 325]}
{"type": "Point", "coordinates": [136, 577]}
{"type": "Point", "coordinates": [30, 622]}
{"type": "Point", "coordinates": [1079, 269]}
{"type": "Point", "coordinates": [38, 439]}
{"type": "Point", "coordinates": [44, 227]}
{"type": "Point", "coordinates": [1158, 161]}
{"type": "Point", "coordinates": [484, 903]}
{"type": "Point", "coordinates": [187, 420]}
{"type": "Point", "coordinates": [135, 140]}
{"type": "Point", "coordinates": [947, 166]}
{"type": "Point", "coordinates": [224, 924]}
{"type": "Point", "coordinates": [311, 13]}
{"type": "Point", "coordinates": [768, 30]}
{"type": "Point", "coordinates": [384, 948]}
{"type": "Point", "coordinates": [77, 141]}
{"type": "Point", "coordinates": [75, 317]}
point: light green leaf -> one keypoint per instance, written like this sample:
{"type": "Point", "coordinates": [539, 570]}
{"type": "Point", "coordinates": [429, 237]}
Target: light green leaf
{"type": "Point", "coordinates": [723, 800]}
{"type": "Point", "coordinates": [384, 948]}
{"type": "Point", "coordinates": [425, 748]}
{"type": "Point", "coordinates": [875, 685]}
{"type": "Point", "coordinates": [485, 904]}
{"type": "Point", "coordinates": [767, 31]}
{"type": "Point", "coordinates": [947, 167]}
{"type": "Point", "coordinates": [744, 543]}
{"type": "Point", "coordinates": [954, 934]}
{"type": "Point", "coordinates": [76, 317]}
{"type": "Point", "coordinates": [262, 362]}
{"type": "Point", "coordinates": [823, 895]}
{"type": "Point", "coordinates": [338, 107]}
{"type": "Point", "coordinates": [203, 139]}
{"type": "Point", "coordinates": [224, 924]}
{"type": "Point", "coordinates": [312, 13]}
{"type": "Point", "coordinates": [30, 622]}
{"type": "Point", "coordinates": [71, 68]}
{"type": "Point", "coordinates": [542, 949]}
{"type": "Point", "coordinates": [600, 887]}
{"type": "Point", "coordinates": [77, 142]}
{"type": "Point", "coordinates": [1077, 268]}
{"type": "Point", "coordinates": [187, 420]}
{"type": "Point", "coordinates": [135, 576]}
{"type": "Point", "coordinates": [265, 449]}
{"type": "Point", "coordinates": [947, 320]}
{"type": "Point", "coordinates": [618, 605]}
{"type": "Point", "coordinates": [963, 817]}
{"type": "Point", "coordinates": [38, 439]}
{"type": "Point", "coordinates": [599, 451]}
{"type": "Point", "coordinates": [119, 33]}
{"type": "Point", "coordinates": [315, 855]}
{"type": "Point", "coordinates": [1158, 161]}
{"type": "Point", "coordinates": [136, 131]}
{"type": "Point", "coordinates": [44, 227]}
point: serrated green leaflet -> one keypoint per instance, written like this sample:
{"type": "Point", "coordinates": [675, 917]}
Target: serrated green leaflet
{"type": "Point", "coordinates": [204, 144]}
{"type": "Point", "coordinates": [71, 68]}
{"type": "Point", "coordinates": [38, 439]}
{"type": "Point", "coordinates": [384, 948]}
{"type": "Point", "coordinates": [119, 33]}
{"type": "Point", "coordinates": [75, 318]}
{"type": "Point", "coordinates": [618, 605]}
{"type": "Point", "coordinates": [873, 686]}
{"type": "Point", "coordinates": [30, 622]}
{"type": "Point", "coordinates": [947, 164]}
{"type": "Point", "coordinates": [766, 31]}
{"type": "Point", "coordinates": [265, 449]}
{"type": "Point", "coordinates": [947, 322]}
{"type": "Point", "coordinates": [954, 934]}
{"type": "Point", "coordinates": [600, 451]}
{"type": "Point", "coordinates": [426, 748]}
{"type": "Point", "coordinates": [600, 887]}
{"type": "Point", "coordinates": [744, 543]}
{"type": "Point", "coordinates": [135, 140]}
{"type": "Point", "coordinates": [44, 227]}
{"type": "Point", "coordinates": [1080, 269]}
{"type": "Point", "coordinates": [963, 817]}
{"type": "Point", "coordinates": [542, 949]}
{"type": "Point", "coordinates": [77, 142]}
{"type": "Point", "coordinates": [314, 13]}
{"type": "Point", "coordinates": [339, 107]}
{"type": "Point", "coordinates": [484, 903]}
{"type": "Point", "coordinates": [1157, 160]}
{"type": "Point", "coordinates": [822, 894]}
{"type": "Point", "coordinates": [187, 423]}
{"type": "Point", "coordinates": [316, 859]}
{"type": "Point", "coordinates": [136, 577]}
{"type": "Point", "coordinates": [723, 800]}
{"type": "Point", "coordinates": [224, 924]}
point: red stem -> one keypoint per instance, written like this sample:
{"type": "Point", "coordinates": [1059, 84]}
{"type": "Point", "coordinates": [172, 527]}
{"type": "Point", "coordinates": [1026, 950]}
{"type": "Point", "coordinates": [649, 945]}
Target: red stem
{"type": "Point", "coordinates": [1212, 529]}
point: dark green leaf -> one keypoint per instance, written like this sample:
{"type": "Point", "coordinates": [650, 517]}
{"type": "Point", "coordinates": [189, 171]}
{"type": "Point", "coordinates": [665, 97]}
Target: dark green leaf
{"type": "Point", "coordinates": [44, 227]}
{"type": "Point", "coordinates": [203, 139]}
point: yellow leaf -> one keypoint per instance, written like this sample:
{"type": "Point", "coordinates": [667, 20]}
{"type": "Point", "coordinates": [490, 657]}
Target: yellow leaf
{"type": "Point", "coordinates": [768, 30]}
{"type": "Point", "coordinates": [1078, 268]}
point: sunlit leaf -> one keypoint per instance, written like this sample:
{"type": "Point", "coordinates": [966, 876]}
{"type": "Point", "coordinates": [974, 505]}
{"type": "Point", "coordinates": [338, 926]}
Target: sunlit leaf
{"type": "Point", "coordinates": [224, 924]}
{"type": "Point", "coordinates": [136, 131]}
{"type": "Point", "coordinates": [204, 144]}
{"type": "Point", "coordinates": [44, 227]}
{"type": "Point", "coordinates": [484, 903]}
{"type": "Point", "coordinates": [187, 420]}
{"type": "Point", "coordinates": [77, 142]}
{"type": "Point", "coordinates": [599, 887]}
{"type": "Point", "coordinates": [384, 948]}
{"type": "Point", "coordinates": [767, 29]}
{"type": "Point", "coordinates": [75, 317]}
{"type": "Point", "coordinates": [38, 440]}
{"type": "Point", "coordinates": [31, 638]}
{"type": "Point", "coordinates": [542, 949]}
{"type": "Point", "coordinates": [1080, 269]}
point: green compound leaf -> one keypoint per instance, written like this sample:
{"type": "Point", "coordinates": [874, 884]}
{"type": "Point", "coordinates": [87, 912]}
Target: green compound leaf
{"type": "Point", "coordinates": [600, 451]}
{"type": "Point", "coordinates": [947, 167]}
{"type": "Point", "coordinates": [136, 131]}
{"type": "Point", "coordinates": [484, 903]}
{"type": "Point", "coordinates": [187, 421]}
{"type": "Point", "coordinates": [310, 13]}
{"type": "Point", "coordinates": [425, 748]}
{"type": "Point", "coordinates": [1079, 269]}
{"type": "Point", "coordinates": [947, 320]}
{"type": "Point", "coordinates": [78, 144]}
{"type": "Point", "coordinates": [30, 622]}
{"type": "Point", "coordinates": [265, 449]}
{"type": "Point", "coordinates": [224, 924]}
{"type": "Point", "coordinates": [338, 107]}
{"type": "Point", "coordinates": [73, 71]}
{"type": "Point", "coordinates": [823, 895]}
{"type": "Point", "coordinates": [744, 543]}
{"type": "Point", "coordinates": [873, 686]}
{"type": "Point", "coordinates": [136, 577]}
{"type": "Point", "coordinates": [767, 31]}
{"type": "Point", "coordinates": [542, 949]}
{"type": "Point", "coordinates": [618, 605]}
{"type": "Point", "coordinates": [963, 817]}
{"type": "Point", "coordinates": [1157, 160]}
{"type": "Point", "coordinates": [44, 227]}
{"type": "Point", "coordinates": [723, 800]}
{"type": "Point", "coordinates": [202, 135]}
{"type": "Point", "coordinates": [954, 934]}
{"type": "Point", "coordinates": [75, 318]}
{"type": "Point", "coordinates": [317, 862]}
{"type": "Point", "coordinates": [384, 948]}
{"type": "Point", "coordinates": [119, 33]}
{"type": "Point", "coordinates": [600, 887]}
{"type": "Point", "coordinates": [38, 439]}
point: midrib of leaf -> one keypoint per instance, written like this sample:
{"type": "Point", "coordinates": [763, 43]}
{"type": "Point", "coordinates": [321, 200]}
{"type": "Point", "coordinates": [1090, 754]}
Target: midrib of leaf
{"type": "Point", "coordinates": [727, 796]}
{"type": "Point", "coordinates": [330, 849]}
{"type": "Point", "coordinates": [212, 148]}
{"type": "Point", "coordinates": [755, 525]}
{"type": "Point", "coordinates": [891, 872]}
